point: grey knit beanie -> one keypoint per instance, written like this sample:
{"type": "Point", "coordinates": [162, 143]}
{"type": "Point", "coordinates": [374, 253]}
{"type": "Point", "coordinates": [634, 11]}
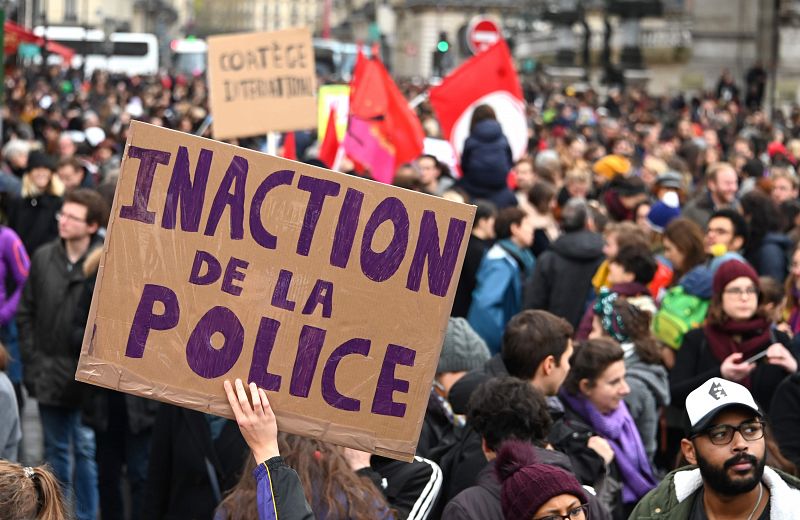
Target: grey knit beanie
{"type": "Point", "coordinates": [463, 349]}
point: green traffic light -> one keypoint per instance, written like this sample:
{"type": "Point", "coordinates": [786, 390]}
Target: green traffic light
{"type": "Point", "coordinates": [442, 46]}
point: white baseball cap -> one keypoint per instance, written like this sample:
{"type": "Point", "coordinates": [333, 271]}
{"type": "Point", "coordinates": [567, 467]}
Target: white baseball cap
{"type": "Point", "coordinates": [716, 394]}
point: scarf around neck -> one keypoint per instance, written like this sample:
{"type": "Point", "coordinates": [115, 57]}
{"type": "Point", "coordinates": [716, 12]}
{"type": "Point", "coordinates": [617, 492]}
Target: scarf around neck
{"type": "Point", "coordinates": [755, 336]}
{"type": "Point", "coordinates": [619, 429]}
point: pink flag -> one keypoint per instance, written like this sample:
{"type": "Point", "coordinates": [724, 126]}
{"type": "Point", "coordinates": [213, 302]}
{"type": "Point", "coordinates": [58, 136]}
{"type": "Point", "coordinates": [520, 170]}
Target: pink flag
{"type": "Point", "coordinates": [364, 143]}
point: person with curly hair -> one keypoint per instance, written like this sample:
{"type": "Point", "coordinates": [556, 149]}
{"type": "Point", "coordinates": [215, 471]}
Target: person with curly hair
{"type": "Point", "coordinates": [504, 410]}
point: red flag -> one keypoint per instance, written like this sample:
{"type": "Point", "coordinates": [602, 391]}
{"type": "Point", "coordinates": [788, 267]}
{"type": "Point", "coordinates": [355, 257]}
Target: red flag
{"type": "Point", "coordinates": [330, 144]}
{"type": "Point", "coordinates": [375, 98]}
{"type": "Point", "coordinates": [487, 78]}
{"type": "Point", "coordinates": [289, 147]}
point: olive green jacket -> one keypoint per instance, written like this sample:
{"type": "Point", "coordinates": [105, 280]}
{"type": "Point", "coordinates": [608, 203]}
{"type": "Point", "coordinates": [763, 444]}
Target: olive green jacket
{"type": "Point", "coordinates": [674, 497]}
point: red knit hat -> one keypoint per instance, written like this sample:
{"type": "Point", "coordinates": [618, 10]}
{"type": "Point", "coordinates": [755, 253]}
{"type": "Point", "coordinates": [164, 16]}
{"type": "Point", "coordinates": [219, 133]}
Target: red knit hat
{"type": "Point", "coordinates": [730, 271]}
{"type": "Point", "coordinates": [527, 485]}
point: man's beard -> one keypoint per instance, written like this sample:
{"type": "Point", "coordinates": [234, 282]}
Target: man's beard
{"type": "Point", "coordinates": [718, 479]}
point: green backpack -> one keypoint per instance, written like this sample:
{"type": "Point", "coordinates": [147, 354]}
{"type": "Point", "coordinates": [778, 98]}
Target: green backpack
{"type": "Point", "coordinates": [679, 313]}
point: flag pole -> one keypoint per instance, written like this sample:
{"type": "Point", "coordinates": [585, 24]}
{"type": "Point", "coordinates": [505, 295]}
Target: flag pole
{"type": "Point", "coordinates": [419, 99]}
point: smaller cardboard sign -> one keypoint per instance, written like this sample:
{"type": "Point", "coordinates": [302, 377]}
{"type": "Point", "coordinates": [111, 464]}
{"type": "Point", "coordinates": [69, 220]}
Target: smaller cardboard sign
{"type": "Point", "coordinates": [262, 82]}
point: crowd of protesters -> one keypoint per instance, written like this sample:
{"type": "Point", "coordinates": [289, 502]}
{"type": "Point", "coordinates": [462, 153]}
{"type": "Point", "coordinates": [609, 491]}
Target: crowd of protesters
{"type": "Point", "coordinates": [623, 341]}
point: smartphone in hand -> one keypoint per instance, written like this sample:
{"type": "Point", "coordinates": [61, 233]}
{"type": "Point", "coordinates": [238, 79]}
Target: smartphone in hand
{"type": "Point", "coordinates": [755, 358]}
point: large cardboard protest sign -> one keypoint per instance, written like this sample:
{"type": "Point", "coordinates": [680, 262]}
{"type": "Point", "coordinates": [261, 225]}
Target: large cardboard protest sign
{"type": "Point", "coordinates": [330, 292]}
{"type": "Point", "coordinates": [261, 82]}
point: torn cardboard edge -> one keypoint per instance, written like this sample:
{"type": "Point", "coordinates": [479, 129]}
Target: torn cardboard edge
{"type": "Point", "coordinates": [95, 371]}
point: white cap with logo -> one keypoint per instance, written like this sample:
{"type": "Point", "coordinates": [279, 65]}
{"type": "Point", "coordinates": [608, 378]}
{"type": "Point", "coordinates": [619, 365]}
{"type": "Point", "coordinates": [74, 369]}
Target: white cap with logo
{"type": "Point", "coordinates": [707, 400]}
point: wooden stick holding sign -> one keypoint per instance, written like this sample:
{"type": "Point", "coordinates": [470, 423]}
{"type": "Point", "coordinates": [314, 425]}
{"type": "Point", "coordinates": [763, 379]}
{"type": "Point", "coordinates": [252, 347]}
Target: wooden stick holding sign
{"type": "Point", "coordinates": [331, 293]}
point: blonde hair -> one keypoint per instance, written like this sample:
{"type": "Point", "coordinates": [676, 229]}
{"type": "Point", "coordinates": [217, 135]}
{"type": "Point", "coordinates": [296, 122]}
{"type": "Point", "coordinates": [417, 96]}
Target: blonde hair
{"type": "Point", "coordinates": [54, 187]}
{"type": "Point", "coordinates": [655, 165]}
{"type": "Point", "coordinates": [30, 493]}
{"type": "Point", "coordinates": [578, 175]}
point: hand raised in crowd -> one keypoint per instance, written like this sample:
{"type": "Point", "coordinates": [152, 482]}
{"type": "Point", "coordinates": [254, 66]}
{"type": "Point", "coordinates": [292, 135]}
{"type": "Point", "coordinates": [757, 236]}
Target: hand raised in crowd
{"type": "Point", "coordinates": [257, 422]}
{"type": "Point", "coordinates": [734, 369]}
{"type": "Point", "coordinates": [602, 448]}
{"type": "Point", "coordinates": [777, 354]}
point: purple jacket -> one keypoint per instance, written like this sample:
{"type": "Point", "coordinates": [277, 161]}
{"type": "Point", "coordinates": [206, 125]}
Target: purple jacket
{"type": "Point", "coordinates": [15, 262]}
{"type": "Point", "coordinates": [279, 493]}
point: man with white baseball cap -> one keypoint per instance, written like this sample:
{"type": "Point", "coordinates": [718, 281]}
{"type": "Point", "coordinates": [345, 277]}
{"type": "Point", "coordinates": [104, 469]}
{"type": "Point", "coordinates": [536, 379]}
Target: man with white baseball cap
{"type": "Point", "coordinates": [728, 477]}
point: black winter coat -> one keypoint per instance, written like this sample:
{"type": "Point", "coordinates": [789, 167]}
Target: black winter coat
{"type": "Point", "coordinates": [438, 431]}
{"type": "Point", "coordinates": [34, 220]}
{"type": "Point", "coordinates": [45, 320]}
{"type": "Point", "coordinates": [695, 364]}
{"type": "Point", "coordinates": [178, 479]}
{"type": "Point", "coordinates": [785, 417]}
{"type": "Point", "coordinates": [571, 434]}
{"type": "Point", "coordinates": [476, 249]}
{"type": "Point", "coordinates": [562, 279]}
{"type": "Point", "coordinates": [140, 412]}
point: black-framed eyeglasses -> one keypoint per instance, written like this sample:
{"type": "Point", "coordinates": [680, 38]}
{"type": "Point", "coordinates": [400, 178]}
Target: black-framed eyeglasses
{"type": "Point", "coordinates": [722, 434]}
{"type": "Point", "coordinates": [577, 513]}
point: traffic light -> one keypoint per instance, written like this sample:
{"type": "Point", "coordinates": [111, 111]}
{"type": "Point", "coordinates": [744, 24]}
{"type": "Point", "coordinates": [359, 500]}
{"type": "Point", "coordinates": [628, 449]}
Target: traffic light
{"type": "Point", "coordinates": [441, 57]}
{"type": "Point", "coordinates": [443, 45]}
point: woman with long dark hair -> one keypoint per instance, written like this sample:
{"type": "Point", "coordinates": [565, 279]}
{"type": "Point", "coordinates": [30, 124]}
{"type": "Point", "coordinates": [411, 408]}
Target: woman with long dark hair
{"type": "Point", "coordinates": [766, 247]}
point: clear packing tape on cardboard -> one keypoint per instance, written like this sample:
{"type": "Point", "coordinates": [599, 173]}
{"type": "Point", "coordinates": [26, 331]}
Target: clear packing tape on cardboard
{"type": "Point", "coordinates": [330, 292]}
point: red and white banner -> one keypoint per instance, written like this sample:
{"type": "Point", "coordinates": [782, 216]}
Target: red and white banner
{"type": "Point", "coordinates": [488, 78]}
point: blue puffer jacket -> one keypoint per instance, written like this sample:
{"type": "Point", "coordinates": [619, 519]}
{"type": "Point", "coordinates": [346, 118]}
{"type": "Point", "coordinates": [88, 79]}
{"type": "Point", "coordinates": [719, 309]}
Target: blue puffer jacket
{"type": "Point", "coordinates": [485, 163]}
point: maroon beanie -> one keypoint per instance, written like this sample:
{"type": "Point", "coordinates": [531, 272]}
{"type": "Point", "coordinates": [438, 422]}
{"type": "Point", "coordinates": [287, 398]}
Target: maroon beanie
{"type": "Point", "coordinates": [527, 485]}
{"type": "Point", "coordinates": [730, 271]}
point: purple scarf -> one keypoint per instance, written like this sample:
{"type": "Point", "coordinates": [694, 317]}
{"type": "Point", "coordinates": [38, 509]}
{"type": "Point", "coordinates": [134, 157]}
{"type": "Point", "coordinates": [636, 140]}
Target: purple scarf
{"type": "Point", "coordinates": [620, 431]}
{"type": "Point", "coordinates": [794, 317]}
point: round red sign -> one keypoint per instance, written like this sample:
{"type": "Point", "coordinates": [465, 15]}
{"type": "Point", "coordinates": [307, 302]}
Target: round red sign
{"type": "Point", "coordinates": [482, 34]}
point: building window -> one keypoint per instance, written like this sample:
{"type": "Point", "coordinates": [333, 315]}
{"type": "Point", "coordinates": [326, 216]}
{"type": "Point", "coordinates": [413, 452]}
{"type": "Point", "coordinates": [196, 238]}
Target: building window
{"type": "Point", "coordinates": [70, 10]}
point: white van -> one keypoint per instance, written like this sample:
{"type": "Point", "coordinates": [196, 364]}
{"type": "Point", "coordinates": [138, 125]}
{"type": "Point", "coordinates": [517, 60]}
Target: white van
{"type": "Point", "coordinates": [189, 56]}
{"type": "Point", "coordinates": [124, 53]}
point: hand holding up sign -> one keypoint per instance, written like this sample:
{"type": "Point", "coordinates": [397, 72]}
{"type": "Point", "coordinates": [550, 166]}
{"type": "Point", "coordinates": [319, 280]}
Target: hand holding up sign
{"type": "Point", "coordinates": [257, 422]}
